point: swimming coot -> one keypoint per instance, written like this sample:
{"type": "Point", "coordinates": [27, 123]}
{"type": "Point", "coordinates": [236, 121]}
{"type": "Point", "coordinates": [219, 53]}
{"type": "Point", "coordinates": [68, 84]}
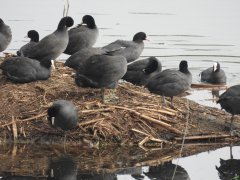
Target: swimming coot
{"type": "Point", "coordinates": [131, 50]}
{"type": "Point", "coordinates": [214, 75]}
{"type": "Point", "coordinates": [171, 82]}
{"type": "Point", "coordinates": [83, 36]}
{"type": "Point", "coordinates": [138, 72]}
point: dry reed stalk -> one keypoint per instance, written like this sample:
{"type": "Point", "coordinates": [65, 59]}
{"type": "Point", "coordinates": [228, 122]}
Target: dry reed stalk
{"type": "Point", "coordinates": [90, 121]}
{"type": "Point", "coordinates": [205, 85]}
{"type": "Point", "coordinates": [155, 161]}
{"type": "Point", "coordinates": [157, 110]}
{"type": "Point", "coordinates": [163, 124]}
{"type": "Point", "coordinates": [215, 136]}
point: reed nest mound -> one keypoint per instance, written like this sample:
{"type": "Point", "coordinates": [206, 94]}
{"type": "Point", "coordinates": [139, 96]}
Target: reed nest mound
{"type": "Point", "coordinates": [137, 117]}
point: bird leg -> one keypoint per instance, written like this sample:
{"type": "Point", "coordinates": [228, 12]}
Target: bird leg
{"type": "Point", "coordinates": [172, 101]}
{"type": "Point", "coordinates": [110, 97]}
{"type": "Point", "coordinates": [231, 133]}
{"type": "Point", "coordinates": [64, 141]}
{"type": "Point", "coordinates": [103, 94]}
{"type": "Point", "coordinates": [163, 100]}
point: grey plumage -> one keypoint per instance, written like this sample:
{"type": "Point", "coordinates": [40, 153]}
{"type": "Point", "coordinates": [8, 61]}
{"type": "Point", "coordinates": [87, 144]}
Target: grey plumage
{"type": "Point", "coordinates": [63, 114]}
{"type": "Point", "coordinates": [52, 45]}
{"type": "Point", "coordinates": [78, 58]}
{"type": "Point", "coordinates": [214, 74]}
{"type": "Point", "coordinates": [24, 70]}
{"type": "Point", "coordinates": [5, 35]}
{"type": "Point", "coordinates": [171, 82]}
{"type": "Point", "coordinates": [131, 50]}
{"type": "Point", "coordinates": [138, 72]}
{"type": "Point", "coordinates": [230, 101]}
{"type": "Point", "coordinates": [101, 71]}
{"type": "Point", "coordinates": [83, 36]}
{"type": "Point", "coordinates": [34, 39]}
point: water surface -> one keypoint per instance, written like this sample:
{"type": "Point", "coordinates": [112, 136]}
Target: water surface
{"type": "Point", "coordinates": [200, 32]}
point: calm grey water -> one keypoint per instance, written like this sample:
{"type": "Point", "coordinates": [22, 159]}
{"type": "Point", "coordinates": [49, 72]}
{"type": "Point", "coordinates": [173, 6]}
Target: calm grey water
{"type": "Point", "coordinates": [198, 31]}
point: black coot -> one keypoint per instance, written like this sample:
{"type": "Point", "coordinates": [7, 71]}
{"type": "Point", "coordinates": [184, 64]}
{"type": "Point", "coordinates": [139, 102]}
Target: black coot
{"type": "Point", "coordinates": [131, 50]}
{"type": "Point", "coordinates": [230, 101]}
{"type": "Point", "coordinates": [34, 39]}
{"type": "Point", "coordinates": [78, 58]}
{"type": "Point", "coordinates": [5, 35]}
{"type": "Point", "coordinates": [23, 70]}
{"type": "Point", "coordinates": [101, 71]}
{"type": "Point", "coordinates": [63, 114]}
{"type": "Point", "coordinates": [83, 36]}
{"type": "Point", "coordinates": [171, 82]}
{"type": "Point", "coordinates": [214, 75]}
{"type": "Point", "coordinates": [51, 46]}
{"type": "Point", "coordinates": [138, 72]}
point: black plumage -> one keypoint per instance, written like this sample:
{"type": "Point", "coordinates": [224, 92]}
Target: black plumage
{"type": "Point", "coordinates": [23, 70]}
{"type": "Point", "coordinates": [83, 36]}
{"type": "Point", "coordinates": [5, 35]}
{"type": "Point", "coordinates": [34, 39]}
{"type": "Point", "coordinates": [214, 75]}
{"type": "Point", "coordinates": [171, 82]}
{"type": "Point", "coordinates": [138, 72]}
{"type": "Point", "coordinates": [131, 50]}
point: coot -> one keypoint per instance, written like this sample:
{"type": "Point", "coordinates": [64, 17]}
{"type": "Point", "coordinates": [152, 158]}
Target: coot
{"type": "Point", "coordinates": [5, 35]}
{"type": "Point", "coordinates": [23, 70]}
{"type": "Point", "coordinates": [131, 50]}
{"type": "Point", "coordinates": [34, 39]}
{"type": "Point", "coordinates": [138, 72]}
{"type": "Point", "coordinates": [83, 36]}
{"type": "Point", "coordinates": [171, 82]}
{"type": "Point", "coordinates": [230, 101]}
{"type": "Point", "coordinates": [214, 75]}
{"type": "Point", "coordinates": [51, 46]}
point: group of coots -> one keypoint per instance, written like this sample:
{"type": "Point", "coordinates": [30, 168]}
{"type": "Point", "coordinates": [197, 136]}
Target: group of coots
{"type": "Point", "coordinates": [101, 67]}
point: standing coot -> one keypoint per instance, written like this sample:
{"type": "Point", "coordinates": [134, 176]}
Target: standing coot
{"type": "Point", "coordinates": [5, 35]}
{"type": "Point", "coordinates": [78, 58]}
{"type": "Point", "coordinates": [138, 72]}
{"type": "Point", "coordinates": [83, 36]}
{"type": "Point", "coordinates": [51, 46]}
{"type": "Point", "coordinates": [101, 71]}
{"type": "Point", "coordinates": [230, 101]}
{"type": "Point", "coordinates": [131, 50]}
{"type": "Point", "coordinates": [171, 82]}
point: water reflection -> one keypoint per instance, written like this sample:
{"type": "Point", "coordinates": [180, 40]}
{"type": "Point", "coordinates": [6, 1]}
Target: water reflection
{"type": "Point", "coordinates": [166, 172]}
{"type": "Point", "coordinates": [230, 168]}
{"type": "Point", "coordinates": [22, 178]}
{"type": "Point", "coordinates": [62, 168]}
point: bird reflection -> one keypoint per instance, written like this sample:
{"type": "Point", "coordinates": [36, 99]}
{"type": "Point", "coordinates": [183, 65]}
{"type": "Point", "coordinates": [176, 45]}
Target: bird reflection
{"type": "Point", "coordinates": [63, 168]}
{"type": "Point", "coordinates": [9, 177]}
{"type": "Point", "coordinates": [229, 169]}
{"type": "Point", "coordinates": [166, 171]}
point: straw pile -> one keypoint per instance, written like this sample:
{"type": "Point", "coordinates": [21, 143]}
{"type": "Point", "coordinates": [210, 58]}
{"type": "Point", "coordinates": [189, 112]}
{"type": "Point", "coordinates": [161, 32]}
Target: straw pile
{"type": "Point", "coordinates": [137, 116]}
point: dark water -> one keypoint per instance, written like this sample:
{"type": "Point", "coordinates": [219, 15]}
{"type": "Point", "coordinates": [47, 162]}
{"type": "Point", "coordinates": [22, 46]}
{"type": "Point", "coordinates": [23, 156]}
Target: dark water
{"type": "Point", "coordinates": [201, 32]}
{"type": "Point", "coordinates": [38, 162]}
